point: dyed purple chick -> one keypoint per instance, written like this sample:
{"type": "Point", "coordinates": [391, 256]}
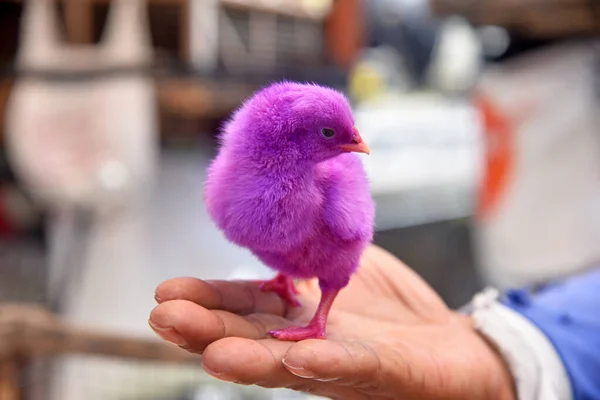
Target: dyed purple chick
{"type": "Point", "coordinates": [287, 186]}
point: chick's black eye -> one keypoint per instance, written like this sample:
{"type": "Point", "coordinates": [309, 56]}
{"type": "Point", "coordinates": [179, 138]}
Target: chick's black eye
{"type": "Point", "coordinates": [327, 133]}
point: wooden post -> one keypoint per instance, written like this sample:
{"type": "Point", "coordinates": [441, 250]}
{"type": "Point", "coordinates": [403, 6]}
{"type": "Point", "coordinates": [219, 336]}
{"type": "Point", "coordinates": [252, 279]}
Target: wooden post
{"type": "Point", "coordinates": [345, 33]}
{"type": "Point", "coordinates": [78, 18]}
{"type": "Point", "coordinates": [5, 86]}
{"type": "Point", "coordinates": [184, 30]}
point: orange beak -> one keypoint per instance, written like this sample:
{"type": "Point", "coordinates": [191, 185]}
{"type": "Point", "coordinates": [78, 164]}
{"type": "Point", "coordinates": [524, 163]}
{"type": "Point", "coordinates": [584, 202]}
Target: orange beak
{"type": "Point", "coordinates": [357, 145]}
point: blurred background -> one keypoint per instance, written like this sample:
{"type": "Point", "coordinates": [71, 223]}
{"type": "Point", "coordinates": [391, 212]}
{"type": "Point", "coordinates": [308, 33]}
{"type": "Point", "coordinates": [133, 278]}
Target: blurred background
{"type": "Point", "coordinates": [482, 118]}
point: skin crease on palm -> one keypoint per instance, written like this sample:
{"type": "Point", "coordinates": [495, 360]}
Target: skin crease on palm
{"type": "Point", "coordinates": [389, 336]}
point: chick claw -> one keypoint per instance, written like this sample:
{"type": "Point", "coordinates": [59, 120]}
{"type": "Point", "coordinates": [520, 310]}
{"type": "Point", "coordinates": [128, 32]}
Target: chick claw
{"type": "Point", "coordinates": [297, 333]}
{"type": "Point", "coordinates": [284, 287]}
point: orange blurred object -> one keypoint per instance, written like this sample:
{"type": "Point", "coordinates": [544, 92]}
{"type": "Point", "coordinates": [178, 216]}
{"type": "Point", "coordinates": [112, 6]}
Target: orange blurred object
{"type": "Point", "coordinates": [345, 31]}
{"type": "Point", "coordinates": [499, 155]}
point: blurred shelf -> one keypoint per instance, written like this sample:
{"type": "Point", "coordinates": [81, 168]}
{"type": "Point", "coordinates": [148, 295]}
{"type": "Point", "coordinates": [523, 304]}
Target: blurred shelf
{"type": "Point", "coordinates": [187, 93]}
{"type": "Point", "coordinates": [182, 97]}
{"type": "Point", "coordinates": [546, 19]}
{"type": "Point", "coordinates": [181, 89]}
{"type": "Point", "coordinates": [294, 9]}
{"type": "Point", "coordinates": [197, 99]}
{"type": "Point", "coordinates": [291, 8]}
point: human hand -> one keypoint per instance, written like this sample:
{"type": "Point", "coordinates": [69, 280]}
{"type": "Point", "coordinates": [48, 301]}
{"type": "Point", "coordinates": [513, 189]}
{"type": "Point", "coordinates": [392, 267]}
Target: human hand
{"type": "Point", "coordinates": [389, 336]}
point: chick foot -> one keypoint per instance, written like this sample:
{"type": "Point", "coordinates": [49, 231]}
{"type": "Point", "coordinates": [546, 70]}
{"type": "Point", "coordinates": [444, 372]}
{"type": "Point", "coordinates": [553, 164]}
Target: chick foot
{"type": "Point", "coordinates": [297, 333]}
{"type": "Point", "coordinates": [284, 287]}
{"type": "Point", "coordinates": [316, 328]}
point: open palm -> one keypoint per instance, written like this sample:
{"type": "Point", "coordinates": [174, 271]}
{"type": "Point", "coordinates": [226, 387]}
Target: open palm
{"type": "Point", "coordinates": [389, 336]}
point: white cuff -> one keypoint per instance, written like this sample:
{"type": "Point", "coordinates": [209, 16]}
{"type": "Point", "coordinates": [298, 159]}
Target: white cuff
{"type": "Point", "coordinates": [536, 367]}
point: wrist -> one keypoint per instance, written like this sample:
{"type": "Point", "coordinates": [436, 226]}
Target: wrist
{"type": "Point", "coordinates": [505, 385]}
{"type": "Point", "coordinates": [500, 384]}
{"type": "Point", "coordinates": [536, 368]}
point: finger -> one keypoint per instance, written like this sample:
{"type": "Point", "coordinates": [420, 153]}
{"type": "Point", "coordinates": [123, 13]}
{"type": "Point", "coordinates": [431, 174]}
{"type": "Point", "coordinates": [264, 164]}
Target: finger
{"type": "Point", "coordinates": [238, 297]}
{"type": "Point", "coordinates": [353, 364]}
{"type": "Point", "coordinates": [248, 361]}
{"type": "Point", "coordinates": [193, 327]}
{"type": "Point", "coordinates": [251, 362]}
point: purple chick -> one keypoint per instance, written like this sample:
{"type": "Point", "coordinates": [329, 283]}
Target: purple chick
{"type": "Point", "coordinates": [287, 186]}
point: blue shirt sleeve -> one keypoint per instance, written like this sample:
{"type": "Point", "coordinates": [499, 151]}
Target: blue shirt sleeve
{"type": "Point", "coordinates": [568, 313]}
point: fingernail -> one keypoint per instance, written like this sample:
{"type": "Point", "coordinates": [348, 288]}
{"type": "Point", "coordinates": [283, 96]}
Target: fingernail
{"type": "Point", "coordinates": [211, 372]}
{"type": "Point", "coordinates": [297, 369]}
{"type": "Point", "coordinates": [223, 376]}
{"type": "Point", "coordinates": [326, 379]}
{"type": "Point", "coordinates": [169, 334]}
{"type": "Point", "coordinates": [158, 299]}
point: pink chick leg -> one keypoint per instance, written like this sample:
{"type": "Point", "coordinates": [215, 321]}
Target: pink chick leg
{"type": "Point", "coordinates": [316, 328]}
{"type": "Point", "coordinates": [284, 286]}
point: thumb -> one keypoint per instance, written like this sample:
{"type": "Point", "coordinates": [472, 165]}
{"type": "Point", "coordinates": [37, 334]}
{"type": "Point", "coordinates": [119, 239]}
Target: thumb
{"type": "Point", "coordinates": [353, 364]}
